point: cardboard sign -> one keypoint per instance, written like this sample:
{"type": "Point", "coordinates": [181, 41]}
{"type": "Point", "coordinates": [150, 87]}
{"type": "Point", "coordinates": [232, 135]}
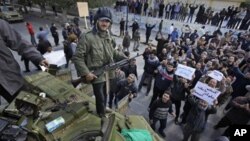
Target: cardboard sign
{"type": "Point", "coordinates": [83, 9]}
{"type": "Point", "coordinates": [56, 57]}
{"type": "Point", "coordinates": [203, 91]}
{"type": "Point", "coordinates": [185, 71]}
{"type": "Point", "coordinates": [217, 75]}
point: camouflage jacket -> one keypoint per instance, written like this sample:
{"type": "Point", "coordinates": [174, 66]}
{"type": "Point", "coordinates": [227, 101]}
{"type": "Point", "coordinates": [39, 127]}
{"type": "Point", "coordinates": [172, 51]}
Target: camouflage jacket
{"type": "Point", "coordinates": [95, 50]}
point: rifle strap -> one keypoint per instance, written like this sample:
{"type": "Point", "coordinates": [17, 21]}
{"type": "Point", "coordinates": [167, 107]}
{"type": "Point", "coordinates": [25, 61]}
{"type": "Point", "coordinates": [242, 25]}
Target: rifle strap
{"type": "Point", "coordinates": [107, 82]}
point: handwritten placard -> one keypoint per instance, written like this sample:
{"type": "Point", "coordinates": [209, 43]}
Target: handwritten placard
{"type": "Point", "coordinates": [203, 91]}
{"type": "Point", "coordinates": [185, 71]}
{"type": "Point", "coordinates": [83, 9]}
{"type": "Point", "coordinates": [215, 74]}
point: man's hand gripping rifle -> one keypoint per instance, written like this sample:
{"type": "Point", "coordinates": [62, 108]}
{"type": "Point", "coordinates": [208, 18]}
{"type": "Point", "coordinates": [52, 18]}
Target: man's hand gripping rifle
{"type": "Point", "coordinates": [106, 68]}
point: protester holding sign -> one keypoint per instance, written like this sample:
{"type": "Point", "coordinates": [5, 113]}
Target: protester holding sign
{"type": "Point", "coordinates": [196, 119]}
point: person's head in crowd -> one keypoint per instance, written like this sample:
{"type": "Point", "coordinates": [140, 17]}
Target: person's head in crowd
{"type": "Point", "coordinates": [40, 28]}
{"type": "Point", "coordinates": [188, 41]}
{"type": "Point", "coordinates": [118, 70]}
{"type": "Point", "coordinates": [164, 51]}
{"type": "Point", "coordinates": [203, 38]}
{"type": "Point", "coordinates": [213, 54]}
{"type": "Point", "coordinates": [198, 66]}
{"type": "Point", "coordinates": [247, 75]}
{"type": "Point", "coordinates": [170, 67]}
{"type": "Point", "coordinates": [49, 49]}
{"type": "Point", "coordinates": [28, 23]}
{"type": "Point", "coordinates": [176, 56]}
{"type": "Point", "coordinates": [172, 24]}
{"type": "Point", "coordinates": [147, 49]}
{"type": "Point", "coordinates": [184, 62]}
{"type": "Point", "coordinates": [132, 62]}
{"type": "Point", "coordinates": [72, 38]}
{"type": "Point", "coordinates": [53, 24]}
{"type": "Point", "coordinates": [209, 65]}
{"type": "Point", "coordinates": [248, 62]}
{"type": "Point", "coordinates": [240, 54]}
{"type": "Point", "coordinates": [131, 78]}
{"type": "Point", "coordinates": [231, 60]}
{"type": "Point", "coordinates": [152, 54]}
{"type": "Point", "coordinates": [202, 104]}
{"type": "Point", "coordinates": [66, 25]}
{"type": "Point", "coordinates": [203, 27]}
{"type": "Point", "coordinates": [166, 96]}
{"type": "Point", "coordinates": [215, 64]}
{"type": "Point", "coordinates": [220, 51]}
{"type": "Point", "coordinates": [204, 55]}
{"type": "Point", "coordinates": [182, 52]}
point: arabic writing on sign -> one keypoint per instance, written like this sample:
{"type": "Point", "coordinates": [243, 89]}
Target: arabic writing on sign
{"type": "Point", "coordinates": [203, 91]}
{"type": "Point", "coordinates": [217, 75]}
{"type": "Point", "coordinates": [185, 71]}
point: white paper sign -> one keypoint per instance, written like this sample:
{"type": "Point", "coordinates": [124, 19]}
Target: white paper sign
{"type": "Point", "coordinates": [55, 57]}
{"type": "Point", "coordinates": [203, 91]}
{"type": "Point", "coordinates": [217, 75]}
{"type": "Point", "coordinates": [83, 9]}
{"type": "Point", "coordinates": [185, 71]}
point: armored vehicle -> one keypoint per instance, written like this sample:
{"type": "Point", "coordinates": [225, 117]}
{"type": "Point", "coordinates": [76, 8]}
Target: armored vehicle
{"type": "Point", "coordinates": [8, 13]}
{"type": "Point", "coordinates": [52, 110]}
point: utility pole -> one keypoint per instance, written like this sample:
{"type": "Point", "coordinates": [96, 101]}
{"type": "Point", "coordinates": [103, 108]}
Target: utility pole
{"type": "Point", "coordinates": [127, 17]}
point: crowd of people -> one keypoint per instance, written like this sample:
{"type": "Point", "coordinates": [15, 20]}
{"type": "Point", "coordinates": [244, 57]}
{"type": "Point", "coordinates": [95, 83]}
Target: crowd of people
{"type": "Point", "coordinates": [70, 33]}
{"type": "Point", "coordinates": [205, 51]}
{"type": "Point", "coordinates": [236, 17]}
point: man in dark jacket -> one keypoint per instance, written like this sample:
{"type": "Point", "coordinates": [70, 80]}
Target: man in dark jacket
{"type": "Point", "coordinates": [11, 81]}
{"type": "Point", "coordinates": [196, 120]}
{"type": "Point", "coordinates": [149, 28]}
{"type": "Point", "coordinates": [131, 68]}
{"type": "Point", "coordinates": [238, 115]}
{"type": "Point", "coordinates": [151, 64]}
{"type": "Point", "coordinates": [126, 87]}
{"type": "Point", "coordinates": [134, 26]}
{"type": "Point", "coordinates": [159, 112]}
{"type": "Point", "coordinates": [54, 33]}
{"type": "Point", "coordinates": [178, 94]}
{"type": "Point", "coordinates": [192, 9]}
{"type": "Point", "coordinates": [122, 27]}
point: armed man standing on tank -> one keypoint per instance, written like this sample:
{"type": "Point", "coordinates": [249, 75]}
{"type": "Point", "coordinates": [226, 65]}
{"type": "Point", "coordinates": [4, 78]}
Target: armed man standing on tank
{"type": "Point", "coordinates": [96, 49]}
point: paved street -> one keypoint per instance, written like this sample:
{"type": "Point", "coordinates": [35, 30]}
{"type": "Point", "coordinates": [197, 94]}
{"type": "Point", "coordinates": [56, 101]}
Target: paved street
{"type": "Point", "coordinates": [139, 105]}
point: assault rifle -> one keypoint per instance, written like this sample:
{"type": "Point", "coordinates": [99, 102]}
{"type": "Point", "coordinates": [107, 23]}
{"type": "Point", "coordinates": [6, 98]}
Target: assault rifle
{"type": "Point", "coordinates": [101, 70]}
